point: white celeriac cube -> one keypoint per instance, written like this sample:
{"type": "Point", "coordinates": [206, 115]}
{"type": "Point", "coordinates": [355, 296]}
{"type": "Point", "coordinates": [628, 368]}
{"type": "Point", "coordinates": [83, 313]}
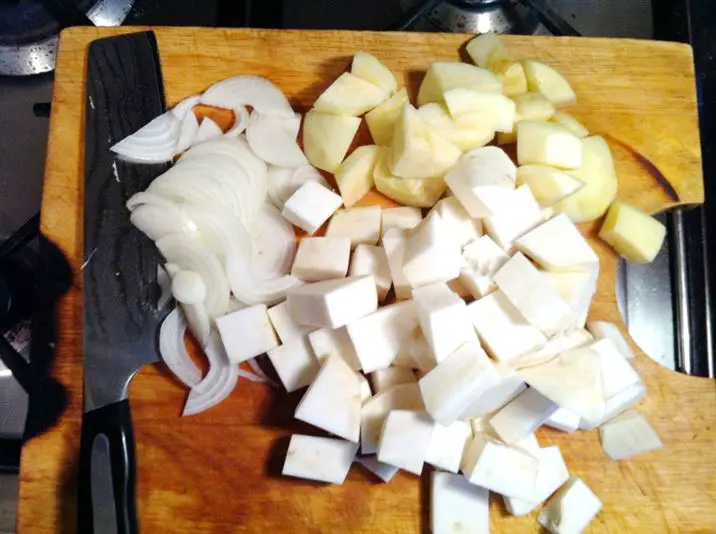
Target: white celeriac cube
{"type": "Point", "coordinates": [405, 440]}
{"type": "Point", "coordinates": [571, 509]}
{"type": "Point", "coordinates": [521, 214]}
{"type": "Point", "coordinates": [509, 471]}
{"type": "Point", "coordinates": [361, 225]}
{"type": "Point", "coordinates": [416, 353]}
{"type": "Point", "coordinates": [461, 226]}
{"type": "Point", "coordinates": [321, 258]}
{"type": "Point", "coordinates": [458, 506]}
{"type": "Point", "coordinates": [503, 330]}
{"type": "Point", "coordinates": [607, 330]}
{"type": "Point", "coordinates": [374, 412]}
{"type": "Point", "coordinates": [402, 217]}
{"type": "Point", "coordinates": [450, 388]}
{"type": "Point", "coordinates": [327, 342]}
{"type": "Point", "coordinates": [365, 392]}
{"type": "Point", "coordinates": [551, 474]}
{"type": "Point", "coordinates": [295, 363]}
{"type": "Point", "coordinates": [383, 379]}
{"type": "Point", "coordinates": [394, 246]}
{"type": "Point", "coordinates": [617, 373]}
{"type": "Point", "coordinates": [377, 337]}
{"type": "Point", "coordinates": [564, 420]}
{"type": "Point", "coordinates": [384, 472]}
{"type": "Point", "coordinates": [531, 293]}
{"type": "Point", "coordinates": [481, 259]}
{"type": "Point", "coordinates": [333, 303]}
{"type": "Point", "coordinates": [443, 319]}
{"type": "Point", "coordinates": [508, 385]}
{"type": "Point", "coordinates": [628, 435]}
{"type": "Point", "coordinates": [321, 459]}
{"type": "Point", "coordinates": [310, 206]}
{"type": "Point", "coordinates": [522, 416]}
{"type": "Point", "coordinates": [368, 259]}
{"type": "Point", "coordinates": [246, 333]}
{"type": "Point", "coordinates": [627, 398]}
{"type": "Point", "coordinates": [431, 255]}
{"type": "Point", "coordinates": [332, 402]}
{"type": "Point", "coordinates": [555, 346]}
{"type": "Point", "coordinates": [286, 328]}
{"type": "Point", "coordinates": [447, 445]}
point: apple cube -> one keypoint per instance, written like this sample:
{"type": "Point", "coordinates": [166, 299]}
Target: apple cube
{"type": "Point", "coordinates": [564, 420]}
{"type": "Point", "coordinates": [445, 75]}
{"type": "Point", "coordinates": [509, 71]}
{"type": "Point", "coordinates": [405, 440]}
{"type": "Point", "coordinates": [464, 228]}
{"type": "Point", "coordinates": [392, 376]}
{"type": "Point", "coordinates": [372, 260]}
{"type": "Point", "coordinates": [482, 47]}
{"type": "Point", "coordinates": [533, 106]}
{"type": "Point", "coordinates": [548, 184]}
{"type": "Point", "coordinates": [394, 246]}
{"type": "Point", "coordinates": [360, 225]}
{"type": "Point", "coordinates": [493, 108]}
{"type": "Point", "coordinates": [333, 303]}
{"type": "Point", "coordinates": [327, 342]}
{"type": "Point", "coordinates": [349, 95]}
{"type": "Point", "coordinates": [355, 175]}
{"type": "Point", "coordinates": [634, 234]}
{"type": "Point", "coordinates": [547, 143]}
{"type": "Point", "coordinates": [384, 472]}
{"type": "Point", "coordinates": [381, 120]}
{"type": "Point", "coordinates": [458, 506]}
{"type": "Point", "coordinates": [246, 333]}
{"type": "Point", "coordinates": [569, 122]}
{"type": "Point", "coordinates": [466, 133]}
{"type": "Point", "coordinates": [367, 67]}
{"type": "Point", "coordinates": [416, 192]}
{"type": "Point", "coordinates": [519, 216]}
{"type": "Point", "coordinates": [321, 258]}
{"type": "Point", "coordinates": [551, 474]}
{"type": "Point", "coordinates": [522, 416]}
{"type": "Point", "coordinates": [327, 137]}
{"type": "Point", "coordinates": [628, 435]}
{"type": "Point", "coordinates": [447, 445]}
{"type": "Point", "coordinates": [286, 328]}
{"type": "Point", "coordinates": [544, 79]}
{"type": "Point", "coordinates": [403, 217]}
{"type": "Point", "coordinates": [374, 412]}
{"type": "Point", "coordinates": [507, 385]}
{"type": "Point", "coordinates": [321, 459]}
{"type": "Point", "coordinates": [295, 363]}
{"type": "Point", "coordinates": [481, 259]}
{"type": "Point", "coordinates": [606, 330]}
{"type": "Point", "coordinates": [310, 206]}
{"type": "Point", "coordinates": [431, 255]}
{"type": "Point", "coordinates": [571, 509]}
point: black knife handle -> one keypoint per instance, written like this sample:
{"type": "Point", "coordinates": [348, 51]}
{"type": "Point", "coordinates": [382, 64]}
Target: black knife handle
{"type": "Point", "coordinates": [107, 470]}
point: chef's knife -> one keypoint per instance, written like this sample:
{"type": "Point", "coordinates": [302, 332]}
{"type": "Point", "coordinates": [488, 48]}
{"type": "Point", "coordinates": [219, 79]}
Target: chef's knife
{"type": "Point", "coordinates": [124, 92]}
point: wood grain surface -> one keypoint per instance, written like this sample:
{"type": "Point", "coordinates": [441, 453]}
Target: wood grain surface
{"type": "Point", "coordinates": [219, 471]}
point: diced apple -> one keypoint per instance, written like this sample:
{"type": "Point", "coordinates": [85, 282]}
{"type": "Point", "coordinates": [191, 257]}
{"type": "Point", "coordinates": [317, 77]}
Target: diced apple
{"type": "Point", "coordinates": [417, 192]}
{"type": "Point", "coordinates": [349, 95]}
{"type": "Point", "coordinates": [508, 386]}
{"type": "Point", "coordinates": [606, 330]}
{"type": "Point", "coordinates": [547, 143]}
{"type": "Point", "coordinates": [481, 259]}
{"type": "Point", "coordinates": [405, 439]}
{"type": "Point", "coordinates": [333, 303]}
{"type": "Point", "coordinates": [564, 420]}
{"type": "Point", "coordinates": [482, 47]}
{"type": "Point", "coordinates": [355, 175]}
{"type": "Point", "coordinates": [404, 217]}
{"type": "Point", "coordinates": [394, 246]}
{"type": "Point", "coordinates": [634, 234]}
{"type": "Point", "coordinates": [447, 445]}
{"type": "Point", "coordinates": [367, 67]}
{"type": "Point", "coordinates": [368, 259]}
{"type": "Point", "coordinates": [431, 255]}
{"type": "Point", "coordinates": [506, 138]}
{"type": "Point", "coordinates": [571, 509]}
{"type": "Point", "coordinates": [519, 214]}
{"type": "Point", "coordinates": [392, 376]}
{"type": "Point", "coordinates": [493, 108]}
{"type": "Point", "coordinates": [466, 133]}
{"type": "Point", "coordinates": [572, 124]}
{"type": "Point", "coordinates": [461, 226]}
{"type": "Point", "coordinates": [359, 225]}
{"type": "Point", "coordinates": [417, 151]}
{"type": "Point", "coordinates": [549, 185]}
{"type": "Point", "coordinates": [383, 471]}
{"type": "Point", "coordinates": [458, 506]}
{"type": "Point", "coordinates": [327, 342]}
{"type": "Point", "coordinates": [509, 71]}
{"type": "Point", "coordinates": [322, 459]}
{"type": "Point", "coordinates": [600, 178]}
{"type": "Point", "coordinates": [327, 137]}
{"type": "Point", "coordinates": [295, 363]}
{"type": "Point", "coordinates": [628, 435]}
{"type": "Point", "coordinates": [246, 333]}
{"type": "Point", "coordinates": [374, 412]}
{"type": "Point", "coordinates": [310, 206]}
{"type": "Point", "coordinates": [286, 328]}
{"type": "Point", "coordinates": [445, 75]}
{"type": "Point", "coordinates": [381, 120]}
{"type": "Point", "coordinates": [522, 416]}
{"type": "Point", "coordinates": [544, 79]}
{"type": "Point", "coordinates": [533, 106]}
{"type": "Point", "coordinates": [321, 258]}
{"type": "Point", "coordinates": [332, 402]}
{"type": "Point", "coordinates": [551, 474]}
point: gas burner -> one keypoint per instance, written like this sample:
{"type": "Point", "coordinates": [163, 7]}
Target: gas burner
{"type": "Point", "coordinates": [480, 16]}
{"type": "Point", "coordinates": [29, 29]}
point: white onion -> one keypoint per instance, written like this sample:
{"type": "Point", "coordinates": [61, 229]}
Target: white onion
{"type": "Point", "coordinates": [198, 321]}
{"type": "Point", "coordinates": [284, 182]}
{"type": "Point", "coordinates": [221, 231]}
{"type": "Point", "coordinates": [157, 221]}
{"type": "Point", "coordinates": [191, 255]}
{"type": "Point", "coordinates": [252, 290]}
{"type": "Point", "coordinates": [182, 108]}
{"type": "Point", "coordinates": [293, 125]}
{"type": "Point", "coordinates": [188, 132]}
{"type": "Point", "coordinates": [218, 383]}
{"type": "Point", "coordinates": [253, 91]}
{"type": "Point", "coordinates": [241, 121]}
{"type": "Point", "coordinates": [208, 130]}
{"type": "Point", "coordinates": [188, 287]}
{"type": "Point", "coordinates": [263, 377]}
{"type": "Point", "coordinates": [155, 142]}
{"type": "Point", "coordinates": [269, 138]}
{"type": "Point", "coordinates": [273, 244]}
{"type": "Point", "coordinates": [173, 350]}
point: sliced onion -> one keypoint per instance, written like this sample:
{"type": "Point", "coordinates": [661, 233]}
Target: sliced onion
{"type": "Point", "coordinates": [181, 110]}
{"type": "Point", "coordinates": [256, 368]}
{"type": "Point", "coordinates": [252, 290]}
{"type": "Point", "coordinates": [293, 125]}
{"type": "Point", "coordinates": [284, 182]}
{"type": "Point", "coordinates": [208, 130]}
{"type": "Point", "coordinates": [191, 255]}
{"type": "Point", "coordinates": [241, 121]}
{"type": "Point", "coordinates": [155, 142]}
{"type": "Point", "coordinates": [220, 231]}
{"type": "Point", "coordinates": [273, 244]}
{"type": "Point", "coordinates": [157, 221]}
{"type": "Point", "coordinates": [173, 350]}
{"type": "Point", "coordinates": [253, 91]}
{"type": "Point", "coordinates": [269, 138]}
{"type": "Point", "coordinates": [219, 382]}
{"type": "Point", "coordinates": [188, 287]}
{"type": "Point", "coordinates": [199, 322]}
{"type": "Point", "coordinates": [188, 132]}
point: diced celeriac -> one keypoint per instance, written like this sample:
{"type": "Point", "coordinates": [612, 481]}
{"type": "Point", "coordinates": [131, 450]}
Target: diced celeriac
{"type": "Point", "coordinates": [447, 445]}
{"type": "Point", "coordinates": [327, 342]}
{"type": "Point", "coordinates": [417, 351]}
{"type": "Point", "coordinates": [571, 509]}
{"type": "Point", "coordinates": [349, 95]}
{"type": "Point", "coordinates": [628, 435]}
{"type": "Point", "coordinates": [333, 303]}
{"type": "Point", "coordinates": [458, 506]}
{"type": "Point", "coordinates": [295, 363]}
{"type": "Point", "coordinates": [365, 392]}
{"type": "Point", "coordinates": [405, 439]}
{"type": "Point", "coordinates": [321, 258]}
{"type": "Point", "coordinates": [392, 376]}
{"type": "Point", "coordinates": [384, 472]}
{"type": "Point", "coordinates": [403, 217]}
{"type": "Point", "coordinates": [374, 412]}
{"type": "Point", "coordinates": [373, 260]}
{"type": "Point", "coordinates": [246, 333]}
{"type": "Point", "coordinates": [286, 328]}
{"type": "Point", "coordinates": [577, 289]}
{"type": "Point", "coordinates": [518, 215]}
{"type": "Point", "coordinates": [522, 416]}
{"type": "Point", "coordinates": [617, 372]}
{"type": "Point", "coordinates": [322, 459]}
{"type": "Point", "coordinates": [394, 245]}
{"type": "Point", "coordinates": [431, 255]}
{"type": "Point", "coordinates": [551, 474]}
{"type": "Point", "coordinates": [604, 329]}
{"type": "Point", "coordinates": [555, 346]}
{"type": "Point", "coordinates": [443, 319]}
{"type": "Point", "coordinates": [310, 206]}
{"type": "Point", "coordinates": [332, 402]}
{"type": "Point", "coordinates": [481, 259]}
{"type": "Point", "coordinates": [619, 403]}
{"type": "Point", "coordinates": [361, 225]}
{"type": "Point", "coordinates": [377, 337]}
{"type": "Point", "coordinates": [462, 227]}
{"type": "Point", "coordinates": [547, 143]}
{"type": "Point", "coordinates": [564, 420]}
{"type": "Point", "coordinates": [450, 388]}
{"type": "Point", "coordinates": [508, 386]}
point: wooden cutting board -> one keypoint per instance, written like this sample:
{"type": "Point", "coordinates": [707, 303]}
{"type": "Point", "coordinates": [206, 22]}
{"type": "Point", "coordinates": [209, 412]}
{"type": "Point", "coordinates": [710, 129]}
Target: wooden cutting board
{"type": "Point", "coordinates": [220, 471]}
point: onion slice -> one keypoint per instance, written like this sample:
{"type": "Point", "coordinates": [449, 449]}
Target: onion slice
{"type": "Point", "coordinates": [284, 182]}
{"type": "Point", "coordinates": [263, 377]}
{"type": "Point", "coordinates": [241, 121]}
{"type": "Point", "coordinates": [273, 244]}
{"type": "Point", "coordinates": [188, 132]}
{"type": "Point", "coordinates": [173, 350]}
{"type": "Point", "coordinates": [269, 138]}
{"type": "Point", "coordinates": [156, 142]}
{"type": "Point", "coordinates": [158, 221]}
{"type": "Point", "coordinates": [251, 290]}
{"type": "Point", "coordinates": [218, 383]}
{"type": "Point", "coordinates": [208, 130]}
{"type": "Point", "coordinates": [181, 110]}
{"type": "Point", "coordinates": [254, 91]}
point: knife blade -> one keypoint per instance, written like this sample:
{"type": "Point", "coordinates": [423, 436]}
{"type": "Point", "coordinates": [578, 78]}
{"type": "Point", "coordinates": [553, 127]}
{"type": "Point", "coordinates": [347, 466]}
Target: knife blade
{"type": "Point", "coordinates": [124, 92]}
